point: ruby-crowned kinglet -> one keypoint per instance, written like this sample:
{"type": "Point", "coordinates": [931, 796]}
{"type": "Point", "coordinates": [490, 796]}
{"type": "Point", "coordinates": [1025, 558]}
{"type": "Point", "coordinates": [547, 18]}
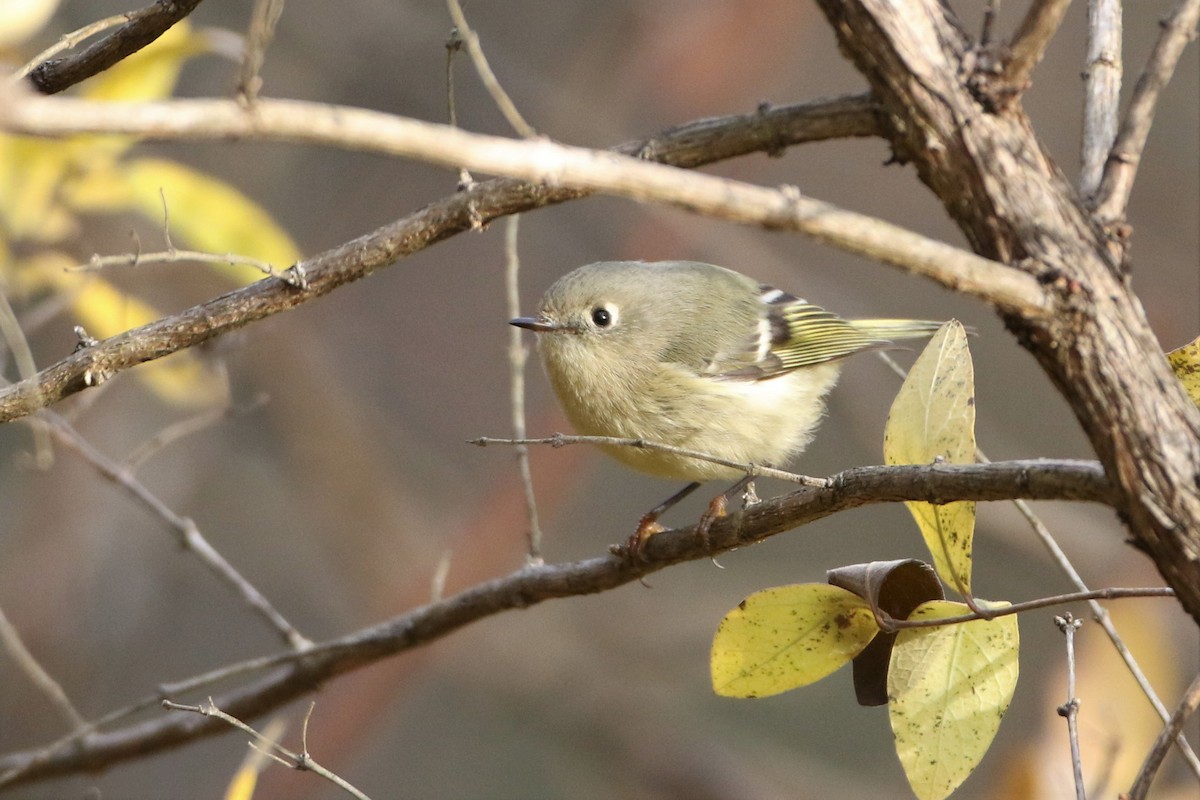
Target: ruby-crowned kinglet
{"type": "Point", "coordinates": [696, 356]}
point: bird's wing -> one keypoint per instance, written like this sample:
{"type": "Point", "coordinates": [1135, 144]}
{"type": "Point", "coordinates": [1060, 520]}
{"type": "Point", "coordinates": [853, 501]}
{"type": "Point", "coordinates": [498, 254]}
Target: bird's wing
{"type": "Point", "coordinates": [791, 334]}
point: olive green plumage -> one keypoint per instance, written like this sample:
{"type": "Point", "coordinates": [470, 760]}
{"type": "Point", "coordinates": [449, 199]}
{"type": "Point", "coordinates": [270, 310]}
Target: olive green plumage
{"type": "Point", "coordinates": [697, 356]}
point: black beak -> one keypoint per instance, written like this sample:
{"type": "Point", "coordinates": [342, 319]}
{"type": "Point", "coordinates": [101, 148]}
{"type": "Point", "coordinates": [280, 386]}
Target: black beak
{"type": "Point", "coordinates": [535, 324]}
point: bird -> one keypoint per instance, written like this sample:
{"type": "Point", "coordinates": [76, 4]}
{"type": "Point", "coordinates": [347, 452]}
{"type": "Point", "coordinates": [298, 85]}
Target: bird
{"type": "Point", "coordinates": [698, 357]}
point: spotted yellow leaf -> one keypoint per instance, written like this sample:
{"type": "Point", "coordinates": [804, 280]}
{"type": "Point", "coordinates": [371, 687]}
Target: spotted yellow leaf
{"type": "Point", "coordinates": [933, 420]}
{"type": "Point", "coordinates": [1186, 363]}
{"type": "Point", "coordinates": [948, 689]}
{"type": "Point", "coordinates": [786, 637]}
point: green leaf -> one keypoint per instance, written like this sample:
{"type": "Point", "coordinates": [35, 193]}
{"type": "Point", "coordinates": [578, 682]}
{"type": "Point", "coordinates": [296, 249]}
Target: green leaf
{"type": "Point", "coordinates": [948, 689]}
{"type": "Point", "coordinates": [786, 637]}
{"type": "Point", "coordinates": [1186, 363]}
{"type": "Point", "coordinates": [933, 419]}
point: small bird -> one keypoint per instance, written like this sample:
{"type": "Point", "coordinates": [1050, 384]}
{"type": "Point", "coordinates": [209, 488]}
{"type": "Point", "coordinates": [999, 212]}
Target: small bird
{"type": "Point", "coordinates": [696, 356]}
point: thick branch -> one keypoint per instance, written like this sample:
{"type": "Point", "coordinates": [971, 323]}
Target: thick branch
{"type": "Point", "coordinates": [300, 673]}
{"type": "Point", "coordinates": [1014, 204]}
{"type": "Point", "coordinates": [144, 26]}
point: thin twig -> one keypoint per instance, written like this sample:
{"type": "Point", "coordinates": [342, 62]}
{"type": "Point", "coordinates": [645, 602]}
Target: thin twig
{"type": "Point", "coordinates": [258, 38]}
{"type": "Point", "coordinates": [295, 674]}
{"type": "Point", "coordinates": [10, 639]}
{"type": "Point", "coordinates": [301, 761]}
{"type": "Point", "coordinates": [1100, 614]}
{"type": "Point", "coordinates": [990, 11]}
{"type": "Point", "coordinates": [1171, 732]}
{"type": "Point", "coordinates": [143, 27]}
{"type": "Point", "coordinates": [14, 337]}
{"type": "Point", "coordinates": [992, 612]}
{"type": "Point", "coordinates": [190, 537]}
{"type": "Point", "coordinates": [1121, 167]}
{"type": "Point", "coordinates": [561, 440]}
{"type": "Point", "coordinates": [68, 41]}
{"type": "Point", "coordinates": [1031, 39]}
{"type": "Point", "coordinates": [517, 356]}
{"type": "Point", "coordinates": [507, 107]}
{"type": "Point", "coordinates": [173, 256]}
{"type": "Point", "coordinates": [183, 428]}
{"type": "Point", "coordinates": [1101, 91]}
{"type": "Point", "coordinates": [453, 46]}
{"type": "Point", "coordinates": [1068, 625]}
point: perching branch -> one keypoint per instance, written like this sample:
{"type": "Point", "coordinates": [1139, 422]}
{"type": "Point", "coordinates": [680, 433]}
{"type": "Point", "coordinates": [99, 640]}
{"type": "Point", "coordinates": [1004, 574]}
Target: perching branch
{"type": "Point", "coordinates": [143, 27]}
{"type": "Point", "coordinates": [295, 674]}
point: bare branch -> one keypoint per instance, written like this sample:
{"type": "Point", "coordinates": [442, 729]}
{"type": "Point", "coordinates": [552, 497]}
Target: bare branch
{"type": "Point", "coordinates": [1120, 170]}
{"type": "Point", "coordinates": [690, 145]}
{"type": "Point", "coordinates": [189, 534]}
{"type": "Point", "coordinates": [10, 640]}
{"type": "Point", "coordinates": [1031, 39]}
{"type": "Point", "coordinates": [471, 39]}
{"type": "Point", "coordinates": [561, 440]}
{"type": "Point", "coordinates": [258, 38]}
{"type": "Point", "coordinates": [301, 761]}
{"type": "Point", "coordinates": [517, 356]}
{"type": "Point", "coordinates": [1102, 91]}
{"type": "Point", "coordinates": [542, 161]}
{"type": "Point", "coordinates": [299, 673]}
{"type": "Point", "coordinates": [67, 41]}
{"type": "Point", "coordinates": [1070, 710]}
{"type": "Point", "coordinates": [1172, 731]}
{"type": "Point", "coordinates": [143, 27]}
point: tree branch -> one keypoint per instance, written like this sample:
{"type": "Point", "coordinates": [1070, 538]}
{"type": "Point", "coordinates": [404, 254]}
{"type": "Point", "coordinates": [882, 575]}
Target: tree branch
{"type": "Point", "coordinates": [1013, 203]}
{"type": "Point", "coordinates": [143, 27]}
{"type": "Point", "coordinates": [614, 172]}
{"type": "Point", "coordinates": [1121, 168]}
{"type": "Point", "coordinates": [1102, 91]}
{"type": "Point", "coordinates": [610, 172]}
{"type": "Point", "coordinates": [299, 673]}
{"type": "Point", "coordinates": [1031, 39]}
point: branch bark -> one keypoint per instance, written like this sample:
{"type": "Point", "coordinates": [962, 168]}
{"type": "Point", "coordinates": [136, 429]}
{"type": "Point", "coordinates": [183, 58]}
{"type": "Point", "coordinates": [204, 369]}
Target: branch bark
{"type": "Point", "coordinates": [144, 26]}
{"type": "Point", "coordinates": [1014, 205]}
{"type": "Point", "coordinates": [296, 674]}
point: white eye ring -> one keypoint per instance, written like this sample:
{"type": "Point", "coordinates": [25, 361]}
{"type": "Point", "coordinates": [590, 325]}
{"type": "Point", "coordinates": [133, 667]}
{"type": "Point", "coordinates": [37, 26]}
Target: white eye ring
{"type": "Point", "coordinates": [604, 316]}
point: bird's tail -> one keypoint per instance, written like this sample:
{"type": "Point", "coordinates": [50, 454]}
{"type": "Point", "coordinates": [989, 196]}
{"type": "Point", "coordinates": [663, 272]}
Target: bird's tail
{"type": "Point", "coordinates": [890, 330]}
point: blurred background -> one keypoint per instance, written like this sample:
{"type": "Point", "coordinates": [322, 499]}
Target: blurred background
{"type": "Point", "coordinates": [338, 496]}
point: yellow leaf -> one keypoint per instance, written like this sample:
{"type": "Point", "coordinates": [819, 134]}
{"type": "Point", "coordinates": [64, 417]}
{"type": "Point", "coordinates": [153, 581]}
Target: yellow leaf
{"type": "Point", "coordinates": [1186, 363]}
{"type": "Point", "coordinates": [786, 637]}
{"type": "Point", "coordinates": [245, 780]}
{"type": "Point", "coordinates": [31, 174]}
{"type": "Point", "coordinates": [933, 419]}
{"type": "Point", "coordinates": [948, 689]}
{"type": "Point", "coordinates": [205, 213]}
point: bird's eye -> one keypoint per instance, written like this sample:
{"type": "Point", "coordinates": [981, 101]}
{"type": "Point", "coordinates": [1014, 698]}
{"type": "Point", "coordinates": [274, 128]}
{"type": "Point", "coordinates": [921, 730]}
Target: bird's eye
{"type": "Point", "coordinates": [602, 317]}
